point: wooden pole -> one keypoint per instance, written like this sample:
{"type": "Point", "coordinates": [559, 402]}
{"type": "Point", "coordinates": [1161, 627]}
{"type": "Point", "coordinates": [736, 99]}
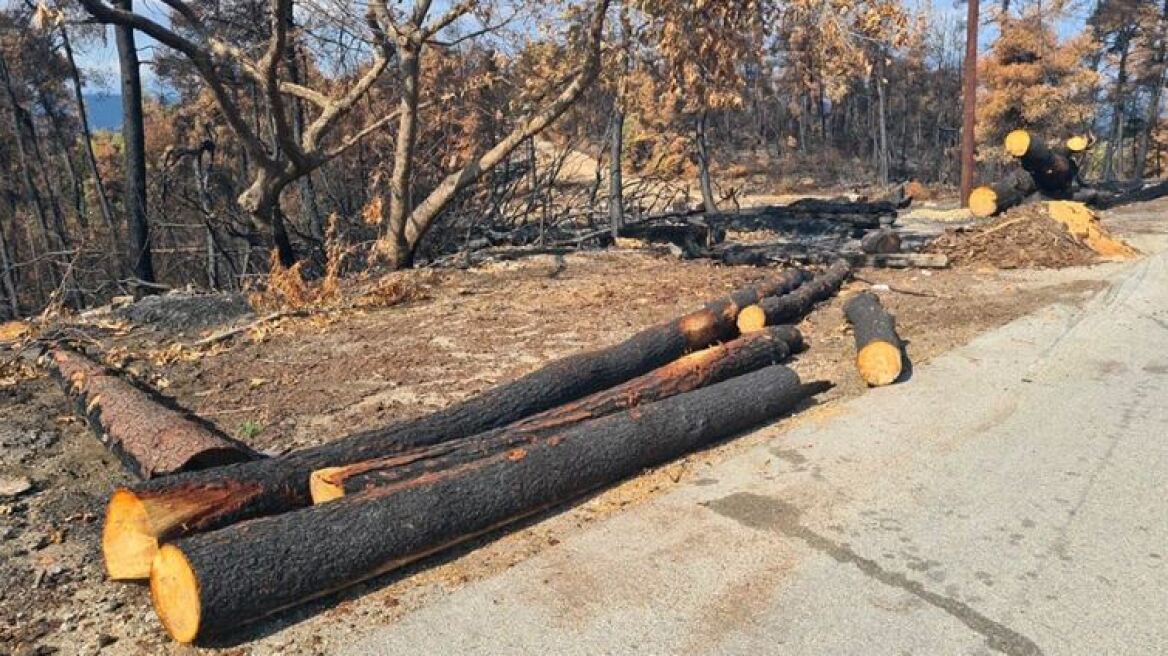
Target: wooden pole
{"type": "Point", "coordinates": [969, 102]}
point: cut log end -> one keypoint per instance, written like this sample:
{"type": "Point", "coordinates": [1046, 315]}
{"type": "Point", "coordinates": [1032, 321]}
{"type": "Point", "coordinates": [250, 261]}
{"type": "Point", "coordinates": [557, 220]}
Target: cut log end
{"type": "Point", "coordinates": [1018, 143]}
{"type": "Point", "coordinates": [879, 363]}
{"type": "Point", "coordinates": [324, 486]}
{"type": "Point", "coordinates": [983, 202]}
{"type": "Point", "coordinates": [751, 320]}
{"type": "Point", "coordinates": [175, 591]}
{"type": "Point", "coordinates": [127, 542]}
{"type": "Point", "coordinates": [1078, 143]}
{"type": "Point", "coordinates": [135, 524]}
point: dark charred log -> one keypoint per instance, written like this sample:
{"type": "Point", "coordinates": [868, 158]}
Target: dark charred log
{"type": "Point", "coordinates": [710, 366]}
{"type": "Point", "coordinates": [208, 584]}
{"type": "Point", "coordinates": [878, 347]}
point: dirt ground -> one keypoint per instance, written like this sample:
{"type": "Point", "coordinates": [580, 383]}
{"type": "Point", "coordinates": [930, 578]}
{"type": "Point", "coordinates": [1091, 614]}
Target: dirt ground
{"type": "Point", "coordinates": [310, 380]}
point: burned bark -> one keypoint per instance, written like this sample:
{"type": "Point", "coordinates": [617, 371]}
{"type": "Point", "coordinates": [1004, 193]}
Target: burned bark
{"type": "Point", "coordinates": [882, 241]}
{"type": "Point", "coordinates": [696, 370]}
{"type": "Point", "coordinates": [1010, 191]}
{"type": "Point", "coordinates": [145, 514]}
{"type": "Point", "coordinates": [878, 347]}
{"type": "Point", "coordinates": [149, 438]}
{"type": "Point", "coordinates": [1053, 170]}
{"type": "Point", "coordinates": [792, 307]}
{"type": "Point", "coordinates": [208, 584]}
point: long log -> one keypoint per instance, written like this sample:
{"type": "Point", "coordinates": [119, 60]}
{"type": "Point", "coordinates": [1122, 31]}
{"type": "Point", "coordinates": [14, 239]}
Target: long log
{"type": "Point", "coordinates": [205, 585]}
{"type": "Point", "coordinates": [713, 365]}
{"type": "Point", "coordinates": [878, 346]}
{"type": "Point", "coordinates": [793, 306]}
{"type": "Point", "coordinates": [1105, 201]}
{"type": "Point", "coordinates": [1053, 169]}
{"type": "Point", "coordinates": [140, 517]}
{"type": "Point", "coordinates": [149, 438]}
{"type": "Point", "coordinates": [1010, 191]}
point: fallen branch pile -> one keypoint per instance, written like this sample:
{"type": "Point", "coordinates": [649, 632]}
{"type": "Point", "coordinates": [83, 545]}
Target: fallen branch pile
{"type": "Point", "coordinates": [324, 518]}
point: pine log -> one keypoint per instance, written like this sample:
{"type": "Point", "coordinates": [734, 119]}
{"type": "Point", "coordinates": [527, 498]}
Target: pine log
{"type": "Point", "coordinates": [1008, 192]}
{"type": "Point", "coordinates": [148, 437]}
{"type": "Point", "coordinates": [140, 517]}
{"type": "Point", "coordinates": [713, 365]}
{"type": "Point", "coordinates": [878, 347]}
{"type": "Point", "coordinates": [884, 240]}
{"type": "Point", "coordinates": [205, 585]}
{"type": "Point", "coordinates": [1053, 170]}
{"type": "Point", "coordinates": [792, 307]}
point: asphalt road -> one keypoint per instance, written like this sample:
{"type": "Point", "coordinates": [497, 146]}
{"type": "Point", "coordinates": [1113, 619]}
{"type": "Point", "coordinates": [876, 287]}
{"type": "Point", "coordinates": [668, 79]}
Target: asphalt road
{"type": "Point", "coordinates": [1012, 497]}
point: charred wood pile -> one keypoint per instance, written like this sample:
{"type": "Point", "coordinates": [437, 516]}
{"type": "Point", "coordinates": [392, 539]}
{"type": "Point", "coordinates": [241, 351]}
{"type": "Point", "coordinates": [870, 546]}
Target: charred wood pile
{"type": "Point", "coordinates": [226, 536]}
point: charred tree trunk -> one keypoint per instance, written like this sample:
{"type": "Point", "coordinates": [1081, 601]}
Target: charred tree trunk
{"type": "Point", "coordinates": [1053, 170]}
{"type": "Point", "coordinates": [149, 438]}
{"type": "Point", "coordinates": [1002, 195]}
{"type": "Point", "coordinates": [6, 276]}
{"type": "Point", "coordinates": [1119, 101]}
{"type": "Point", "coordinates": [1160, 68]}
{"type": "Point", "coordinates": [793, 306]}
{"type": "Point", "coordinates": [878, 347]}
{"type": "Point", "coordinates": [191, 503]}
{"type": "Point", "coordinates": [616, 203]}
{"type": "Point", "coordinates": [107, 213]}
{"type": "Point", "coordinates": [134, 135]}
{"type": "Point", "coordinates": [206, 585]}
{"type": "Point", "coordinates": [703, 147]}
{"type": "Point", "coordinates": [696, 370]}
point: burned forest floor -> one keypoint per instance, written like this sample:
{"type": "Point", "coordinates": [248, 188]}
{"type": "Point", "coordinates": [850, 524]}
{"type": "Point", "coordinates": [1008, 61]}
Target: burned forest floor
{"type": "Point", "coordinates": [307, 380]}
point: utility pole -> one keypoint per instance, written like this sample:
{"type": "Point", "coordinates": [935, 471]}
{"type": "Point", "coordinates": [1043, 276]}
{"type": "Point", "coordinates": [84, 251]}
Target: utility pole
{"type": "Point", "coordinates": [968, 101]}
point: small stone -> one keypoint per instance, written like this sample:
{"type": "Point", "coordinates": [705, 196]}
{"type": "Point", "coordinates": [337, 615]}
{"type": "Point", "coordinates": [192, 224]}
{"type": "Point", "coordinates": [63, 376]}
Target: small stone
{"type": "Point", "coordinates": [105, 640]}
{"type": "Point", "coordinates": [14, 486]}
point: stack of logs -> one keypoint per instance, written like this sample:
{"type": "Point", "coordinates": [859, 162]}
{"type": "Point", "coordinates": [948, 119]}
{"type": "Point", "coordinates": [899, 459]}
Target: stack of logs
{"type": "Point", "coordinates": [1053, 172]}
{"type": "Point", "coordinates": [238, 536]}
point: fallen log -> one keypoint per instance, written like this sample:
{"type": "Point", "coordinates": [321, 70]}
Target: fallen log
{"type": "Point", "coordinates": [140, 517]}
{"type": "Point", "coordinates": [691, 236]}
{"type": "Point", "coordinates": [1105, 201]}
{"type": "Point", "coordinates": [878, 347]}
{"type": "Point", "coordinates": [713, 365]}
{"type": "Point", "coordinates": [792, 307]}
{"type": "Point", "coordinates": [1010, 191]}
{"type": "Point", "coordinates": [1053, 170]}
{"type": "Point", "coordinates": [884, 240]}
{"type": "Point", "coordinates": [205, 585]}
{"type": "Point", "coordinates": [149, 438]}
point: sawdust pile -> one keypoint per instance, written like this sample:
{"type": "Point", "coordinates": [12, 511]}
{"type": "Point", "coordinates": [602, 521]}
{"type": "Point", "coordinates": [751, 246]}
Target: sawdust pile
{"type": "Point", "coordinates": [1049, 235]}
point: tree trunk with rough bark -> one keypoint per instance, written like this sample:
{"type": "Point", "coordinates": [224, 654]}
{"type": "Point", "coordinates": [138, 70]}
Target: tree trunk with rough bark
{"type": "Point", "coordinates": [134, 135]}
{"type": "Point", "coordinates": [696, 370]}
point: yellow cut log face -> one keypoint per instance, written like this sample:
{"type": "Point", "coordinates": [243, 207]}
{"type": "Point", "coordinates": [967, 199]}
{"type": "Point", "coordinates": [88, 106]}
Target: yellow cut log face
{"type": "Point", "coordinates": [1078, 144]}
{"type": "Point", "coordinates": [1018, 143]}
{"type": "Point", "coordinates": [879, 363]}
{"type": "Point", "coordinates": [751, 319]}
{"type": "Point", "coordinates": [983, 202]}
